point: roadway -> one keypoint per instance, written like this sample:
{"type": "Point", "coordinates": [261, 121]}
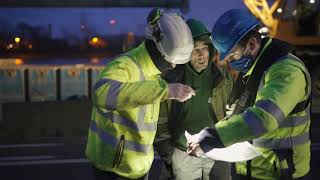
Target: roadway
{"type": "Point", "coordinates": [63, 159]}
{"type": "Point", "coordinates": [50, 158]}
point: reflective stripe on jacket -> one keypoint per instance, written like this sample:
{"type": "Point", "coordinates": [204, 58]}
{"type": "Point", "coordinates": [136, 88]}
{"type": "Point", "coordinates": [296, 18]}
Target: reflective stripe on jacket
{"type": "Point", "coordinates": [126, 99]}
{"type": "Point", "coordinates": [268, 123]}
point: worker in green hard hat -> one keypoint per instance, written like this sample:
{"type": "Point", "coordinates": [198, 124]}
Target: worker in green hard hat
{"type": "Point", "coordinates": [203, 110]}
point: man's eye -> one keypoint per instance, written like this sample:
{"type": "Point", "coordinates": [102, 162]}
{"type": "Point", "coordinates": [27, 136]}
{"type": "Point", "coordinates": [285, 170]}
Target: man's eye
{"type": "Point", "coordinates": [205, 48]}
{"type": "Point", "coordinates": [199, 50]}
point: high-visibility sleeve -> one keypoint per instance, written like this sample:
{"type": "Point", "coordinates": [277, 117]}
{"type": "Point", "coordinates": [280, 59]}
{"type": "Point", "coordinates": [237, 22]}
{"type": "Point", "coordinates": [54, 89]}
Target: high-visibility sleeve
{"type": "Point", "coordinates": [284, 85]}
{"type": "Point", "coordinates": [119, 87]}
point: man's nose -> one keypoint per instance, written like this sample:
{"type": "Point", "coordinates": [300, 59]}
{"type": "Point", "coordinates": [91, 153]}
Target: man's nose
{"type": "Point", "coordinates": [201, 53]}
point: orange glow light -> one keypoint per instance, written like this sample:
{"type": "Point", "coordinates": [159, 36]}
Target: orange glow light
{"type": "Point", "coordinates": [94, 60]}
{"type": "Point", "coordinates": [18, 62]}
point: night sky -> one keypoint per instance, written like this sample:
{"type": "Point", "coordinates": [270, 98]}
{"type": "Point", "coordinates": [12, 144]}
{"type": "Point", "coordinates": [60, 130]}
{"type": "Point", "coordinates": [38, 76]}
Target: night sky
{"type": "Point", "coordinates": [67, 20]}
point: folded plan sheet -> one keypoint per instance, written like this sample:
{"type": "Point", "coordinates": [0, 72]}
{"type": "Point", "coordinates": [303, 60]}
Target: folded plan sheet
{"type": "Point", "coordinates": [235, 153]}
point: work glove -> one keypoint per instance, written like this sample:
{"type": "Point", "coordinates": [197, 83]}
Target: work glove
{"type": "Point", "coordinates": [180, 92]}
{"type": "Point", "coordinates": [207, 140]}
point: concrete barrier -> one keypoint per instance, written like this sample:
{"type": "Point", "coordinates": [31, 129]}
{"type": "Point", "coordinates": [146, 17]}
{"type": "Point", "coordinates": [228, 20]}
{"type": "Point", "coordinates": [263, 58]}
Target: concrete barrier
{"type": "Point", "coordinates": [74, 82]}
{"type": "Point", "coordinates": [12, 84]}
{"type": "Point", "coordinates": [42, 83]}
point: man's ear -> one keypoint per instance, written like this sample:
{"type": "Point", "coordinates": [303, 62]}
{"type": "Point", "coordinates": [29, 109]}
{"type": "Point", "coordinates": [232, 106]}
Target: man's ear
{"type": "Point", "coordinates": [253, 45]}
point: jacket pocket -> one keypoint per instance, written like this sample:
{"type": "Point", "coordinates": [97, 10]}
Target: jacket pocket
{"type": "Point", "coordinates": [217, 103]}
{"type": "Point", "coordinates": [119, 152]}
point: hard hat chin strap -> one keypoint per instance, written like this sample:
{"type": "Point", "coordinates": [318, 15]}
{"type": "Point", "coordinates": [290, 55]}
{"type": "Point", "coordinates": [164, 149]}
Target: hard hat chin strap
{"type": "Point", "coordinates": [157, 58]}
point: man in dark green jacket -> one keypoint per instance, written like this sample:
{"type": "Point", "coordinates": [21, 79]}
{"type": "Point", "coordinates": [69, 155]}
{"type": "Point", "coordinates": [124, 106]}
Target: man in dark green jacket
{"type": "Point", "coordinates": [202, 110]}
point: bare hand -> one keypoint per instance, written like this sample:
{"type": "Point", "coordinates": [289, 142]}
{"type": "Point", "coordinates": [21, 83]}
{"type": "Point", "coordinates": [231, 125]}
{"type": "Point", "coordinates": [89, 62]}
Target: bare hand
{"type": "Point", "coordinates": [180, 92]}
{"type": "Point", "coordinates": [193, 149]}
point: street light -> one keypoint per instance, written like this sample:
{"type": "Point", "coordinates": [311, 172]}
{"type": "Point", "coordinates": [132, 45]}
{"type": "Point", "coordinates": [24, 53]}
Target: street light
{"type": "Point", "coordinates": [95, 40]}
{"type": "Point", "coordinates": [82, 26]}
{"type": "Point", "coordinates": [10, 46]}
{"type": "Point", "coordinates": [17, 40]}
{"type": "Point", "coordinates": [112, 22]}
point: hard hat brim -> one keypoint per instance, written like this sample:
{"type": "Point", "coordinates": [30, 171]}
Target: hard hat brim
{"type": "Point", "coordinates": [224, 54]}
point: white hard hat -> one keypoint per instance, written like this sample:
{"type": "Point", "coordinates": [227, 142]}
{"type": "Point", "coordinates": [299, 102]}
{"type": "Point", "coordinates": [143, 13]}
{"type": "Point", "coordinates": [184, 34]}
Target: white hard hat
{"type": "Point", "coordinates": [172, 37]}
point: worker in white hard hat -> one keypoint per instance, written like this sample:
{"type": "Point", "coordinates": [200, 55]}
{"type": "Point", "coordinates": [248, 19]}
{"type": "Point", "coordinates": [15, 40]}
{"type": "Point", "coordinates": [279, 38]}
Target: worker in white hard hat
{"type": "Point", "coordinates": [127, 96]}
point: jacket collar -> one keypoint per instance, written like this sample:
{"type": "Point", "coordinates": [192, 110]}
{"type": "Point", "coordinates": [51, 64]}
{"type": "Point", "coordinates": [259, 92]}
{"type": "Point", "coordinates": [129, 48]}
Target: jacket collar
{"type": "Point", "coordinates": [271, 49]}
{"type": "Point", "coordinates": [143, 58]}
{"type": "Point", "coordinates": [265, 44]}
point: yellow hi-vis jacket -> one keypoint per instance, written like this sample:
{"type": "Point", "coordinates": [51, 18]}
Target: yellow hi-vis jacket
{"type": "Point", "coordinates": [126, 100]}
{"type": "Point", "coordinates": [269, 122]}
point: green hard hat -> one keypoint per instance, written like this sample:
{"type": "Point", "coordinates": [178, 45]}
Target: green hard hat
{"type": "Point", "coordinates": [200, 33]}
{"type": "Point", "coordinates": [197, 28]}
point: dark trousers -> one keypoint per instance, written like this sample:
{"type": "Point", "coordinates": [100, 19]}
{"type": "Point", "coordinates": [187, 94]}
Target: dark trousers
{"type": "Point", "coordinates": [243, 177]}
{"type": "Point", "coordinates": [106, 175]}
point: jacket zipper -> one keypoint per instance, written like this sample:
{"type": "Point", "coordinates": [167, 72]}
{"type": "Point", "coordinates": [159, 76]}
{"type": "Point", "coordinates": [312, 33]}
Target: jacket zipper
{"type": "Point", "coordinates": [152, 111]}
{"type": "Point", "coordinates": [119, 152]}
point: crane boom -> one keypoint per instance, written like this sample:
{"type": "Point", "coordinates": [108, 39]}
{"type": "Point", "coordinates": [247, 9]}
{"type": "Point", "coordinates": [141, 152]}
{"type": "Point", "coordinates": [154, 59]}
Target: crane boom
{"type": "Point", "coordinates": [279, 28]}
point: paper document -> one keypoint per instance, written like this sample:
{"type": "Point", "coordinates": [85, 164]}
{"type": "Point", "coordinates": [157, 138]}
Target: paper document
{"type": "Point", "coordinates": [235, 153]}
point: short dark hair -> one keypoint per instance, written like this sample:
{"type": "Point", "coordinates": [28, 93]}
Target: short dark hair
{"type": "Point", "coordinates": [207, 40]}
{"type": "Point", "coordinates": [253, 33]}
